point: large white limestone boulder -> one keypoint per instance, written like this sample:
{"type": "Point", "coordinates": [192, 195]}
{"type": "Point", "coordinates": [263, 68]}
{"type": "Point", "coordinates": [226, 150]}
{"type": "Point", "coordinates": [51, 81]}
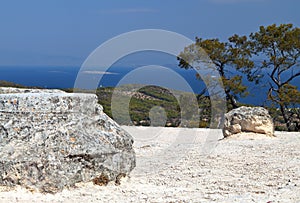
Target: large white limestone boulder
{"type": "Point", "coordinates": [50, 140]}
{"type": "Point", "coordinates": [248, 119]}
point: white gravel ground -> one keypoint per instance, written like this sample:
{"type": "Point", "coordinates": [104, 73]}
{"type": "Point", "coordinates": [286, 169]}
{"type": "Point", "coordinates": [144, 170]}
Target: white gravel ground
{"type": "Point", "coordinates": [180, 165]}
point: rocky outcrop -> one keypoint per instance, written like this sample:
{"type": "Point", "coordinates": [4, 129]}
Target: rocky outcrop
{"type": "Point", "coordinates": [50, 140]}
{"type": "Point", "coordinates": [248, 119]}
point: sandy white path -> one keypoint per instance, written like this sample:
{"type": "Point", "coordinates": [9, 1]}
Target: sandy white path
{"type": "Point", "coordinates": [180, 165]}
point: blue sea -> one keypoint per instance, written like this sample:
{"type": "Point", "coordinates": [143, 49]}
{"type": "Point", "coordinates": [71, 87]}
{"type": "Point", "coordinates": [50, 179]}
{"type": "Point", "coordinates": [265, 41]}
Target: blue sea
{"type": "Point", "coordinates": [64, 77]}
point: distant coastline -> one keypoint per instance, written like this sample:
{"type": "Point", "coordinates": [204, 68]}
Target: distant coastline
{"type": "Point", "coordinates": [64, 77]}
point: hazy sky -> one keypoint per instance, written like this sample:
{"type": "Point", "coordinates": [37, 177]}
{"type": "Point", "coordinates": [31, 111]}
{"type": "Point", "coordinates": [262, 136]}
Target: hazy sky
{"type": "Point", "coordinates": [65, 32]}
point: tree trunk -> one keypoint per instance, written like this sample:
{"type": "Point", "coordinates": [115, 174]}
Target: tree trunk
{"type": "Point", "coordinates": [231, 99]}
{"type": "Point", "coordinates": [285, 117]}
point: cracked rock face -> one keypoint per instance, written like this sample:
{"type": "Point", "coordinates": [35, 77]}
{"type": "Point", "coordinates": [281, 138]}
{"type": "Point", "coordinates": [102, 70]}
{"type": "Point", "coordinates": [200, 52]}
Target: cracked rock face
{"type": "Point", "coordinates": [248, 119]}
{"type": "Point", "coordinates": [52, 140]}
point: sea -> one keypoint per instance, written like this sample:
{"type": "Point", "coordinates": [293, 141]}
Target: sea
{"type": "Point", "coordinates": [64, 77]}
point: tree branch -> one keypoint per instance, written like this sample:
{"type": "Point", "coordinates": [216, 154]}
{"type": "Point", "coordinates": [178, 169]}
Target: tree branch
{"type": "Point", "coordinates": [271, 97]}
{"type": "Point", "coordinates": [291, 78]}
{"type": "Point", "coordinates": [273, 77]}
{"type": "Point", "coordinates": [287, 68]}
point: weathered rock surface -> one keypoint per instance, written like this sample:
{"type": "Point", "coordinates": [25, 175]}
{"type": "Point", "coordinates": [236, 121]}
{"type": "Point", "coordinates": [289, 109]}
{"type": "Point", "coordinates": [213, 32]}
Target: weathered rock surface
{"type": "Point", "coordinates": [50, 140]}
{"type": "Point", "coordinates": [11, 90]}
{"type": "Point", "coordinates": [248, 119]}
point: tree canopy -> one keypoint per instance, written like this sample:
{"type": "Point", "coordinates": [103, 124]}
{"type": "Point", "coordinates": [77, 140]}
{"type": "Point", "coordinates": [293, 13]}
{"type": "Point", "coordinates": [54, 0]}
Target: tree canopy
{"type": "Point", "coordinates": [224, 55]}
{"type": "Point", "coordinates": [279, 47]}
{"type": "Point", "coordinates": [278, 51]}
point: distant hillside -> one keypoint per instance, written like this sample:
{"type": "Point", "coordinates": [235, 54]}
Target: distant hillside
{"type": "Point", "coordinates": [145, 98]}
{"type": "Point", "coordinates": [4, 83]}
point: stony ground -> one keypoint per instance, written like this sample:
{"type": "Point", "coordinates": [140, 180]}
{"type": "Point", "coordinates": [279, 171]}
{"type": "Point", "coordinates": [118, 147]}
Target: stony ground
{"type": "Point", "coordinates": [181, 165]}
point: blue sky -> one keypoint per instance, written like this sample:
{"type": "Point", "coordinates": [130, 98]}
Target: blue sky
{"type": "Point", "coordinates": [65, 32]}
